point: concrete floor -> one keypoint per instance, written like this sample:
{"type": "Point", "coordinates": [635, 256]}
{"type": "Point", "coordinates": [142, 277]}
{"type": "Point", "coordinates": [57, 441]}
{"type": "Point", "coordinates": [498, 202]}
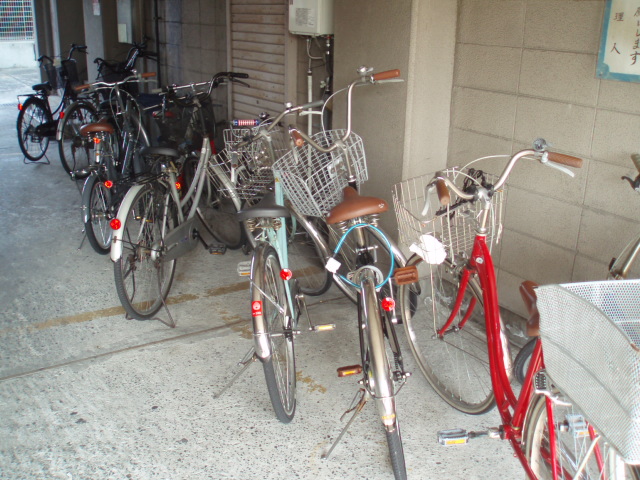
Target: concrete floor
{"type": "Point", "coordinates": [87, 394]}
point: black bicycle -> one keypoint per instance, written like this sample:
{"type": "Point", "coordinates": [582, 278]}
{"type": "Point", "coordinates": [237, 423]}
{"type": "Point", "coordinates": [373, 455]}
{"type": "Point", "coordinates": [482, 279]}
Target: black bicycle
{"type": "Point", "coordinates": [37, 122]}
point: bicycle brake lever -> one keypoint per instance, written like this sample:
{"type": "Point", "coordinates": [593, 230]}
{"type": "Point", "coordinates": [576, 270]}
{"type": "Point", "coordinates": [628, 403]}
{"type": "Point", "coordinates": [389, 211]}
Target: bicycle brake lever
{"type": "Point", "coordinates": [635, 184]}
{"type": "Point", "coordinates": [244, 84]}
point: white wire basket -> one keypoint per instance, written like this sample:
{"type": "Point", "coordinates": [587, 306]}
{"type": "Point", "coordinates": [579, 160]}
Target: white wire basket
{"type": "Point", "coordinates": [234, 176]}
{"type": "Point", "coordinates": [591, 342]}
{"type": "Point", "coordinates": [437, 232]}
{"type": "Point", "coordinates": [313, 181]}
{"type": "Point", "coordinates": [262, 151]}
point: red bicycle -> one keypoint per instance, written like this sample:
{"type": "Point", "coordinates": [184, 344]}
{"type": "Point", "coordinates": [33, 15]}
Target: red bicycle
{"type": "Point", "coordinates": [453, 325]}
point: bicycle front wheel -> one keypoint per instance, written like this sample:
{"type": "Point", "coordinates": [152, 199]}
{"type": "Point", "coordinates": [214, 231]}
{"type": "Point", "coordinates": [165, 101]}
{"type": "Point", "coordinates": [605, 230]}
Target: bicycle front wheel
{"type": "Point", "coordinates": [572, 447]}
{"type": "Point", "coordinates": [269, 295]}
{"type": "Point", "coordinates": [143, 277]}
{"type": "Point", "coordinates": [75, 149]}
{"type": "Point", "coordinates": [99, 214]}
{"type": "Point", "coordinates": [455, 362]}
{"type": "Point", "coordinates": [33, 142]}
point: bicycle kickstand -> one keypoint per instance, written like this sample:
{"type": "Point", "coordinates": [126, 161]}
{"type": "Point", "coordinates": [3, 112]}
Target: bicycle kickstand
{"type": "Point", "coordinates": [245, 363]}
{"type": "Point", "coordinates": [356, 408]}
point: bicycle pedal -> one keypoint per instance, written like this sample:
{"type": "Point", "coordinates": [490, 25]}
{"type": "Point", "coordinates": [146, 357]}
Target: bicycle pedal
{"type": "Point", "coordinates": [350, 370]}
{"type": "Point", "coordinates": [454, 436]}
{"type": "Point", "coordinates": [323, 328]}
{"type": "Point", "coordinates": [406, 275]}
{"type": "Point", "coordinates": [577, 425]}
{"type": "Point", "coordinates": [244, 268]}
{"type": "Point", "coordinates": [217, 248]}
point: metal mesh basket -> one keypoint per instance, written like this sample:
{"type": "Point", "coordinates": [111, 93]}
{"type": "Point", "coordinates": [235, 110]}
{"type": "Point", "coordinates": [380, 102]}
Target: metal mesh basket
{"type": "Point", "coordinates": [261, 151]}
{"type": "Point", "coordinates": [590, 338]}
{"type": "Point", "coordinates": [233, 176]}
{"type": "Point", "coordinates": [53, 75]}
{"type": "Point", "coordinates": [421, 217]}
{"type": "Point", "coordinates": [314, 181]}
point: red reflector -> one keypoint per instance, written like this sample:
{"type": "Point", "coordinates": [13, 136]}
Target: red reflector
{"type": "Point", "coordinates": [61, 115]}
{"type": "Point", "coordinates": [286, 274]}
{"type": "Point", "coordinates": [108, 183]}
{"type": "Point", "coordinates": [388, 304]}
{"type": "Point", "coordinates": [178, 185]}
{"type": "Point", "coordinates": [96, 140]}
{"type": "Point", "coordinates": [19, 106]}
{"type": "Point", "coordinates": [115, 224]}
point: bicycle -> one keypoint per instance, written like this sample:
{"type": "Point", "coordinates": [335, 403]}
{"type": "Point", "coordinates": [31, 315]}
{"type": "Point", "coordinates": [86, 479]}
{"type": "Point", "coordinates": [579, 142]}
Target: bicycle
{"type": "Point", "coordinates": [620, 268]}
{"type": "Point", "coordinates": [313, 176]}
{"type": "Point", "coordinates": [36, 124]}
{"type": "Point", "coordinates": [117, 142]}
{"type": "Point", "coordinates": [452, 321]}
{"type": "Point", "coordinates": [156, 223]}
{"type": "Point", "coordinates": [75, 149]}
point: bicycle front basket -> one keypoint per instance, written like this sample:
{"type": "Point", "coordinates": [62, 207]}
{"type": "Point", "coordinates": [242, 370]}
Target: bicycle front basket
{"type": "Point", "coordinates": [313, 181]}
{"type": "Point", "coordinates": [590, 338]}
{"type": "Point", "coordinates": [421, 217]}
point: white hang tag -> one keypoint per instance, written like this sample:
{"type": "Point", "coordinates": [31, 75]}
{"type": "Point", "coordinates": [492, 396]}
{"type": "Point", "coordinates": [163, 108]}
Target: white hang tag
{"type": "Point", "coordinates": [430, 249]}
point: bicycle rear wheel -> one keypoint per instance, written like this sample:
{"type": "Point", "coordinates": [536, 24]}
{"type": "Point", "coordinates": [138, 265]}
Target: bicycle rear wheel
{"type": "Point", "coordinates": [99, 214]}
{"type": "Point", "coordinates": [33, 142]}
{"type": "Point", "coordinates": [305, 256]}
{"type": "Point", "coordinates": [379, 377]}
{"type": "Point", "coordinates": [143, 277]}
{"type": "Point", "coordinates": [572, 448]}
{"type": "Point", "coordinates": [457, 363]}
{"type": "Point", "coordinates": [268, 293]}
{"type": "Point", "coordinates": [74, 149]}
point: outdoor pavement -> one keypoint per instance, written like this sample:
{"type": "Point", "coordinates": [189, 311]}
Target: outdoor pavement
{"type": "Point", "coordinates": [88, 394]}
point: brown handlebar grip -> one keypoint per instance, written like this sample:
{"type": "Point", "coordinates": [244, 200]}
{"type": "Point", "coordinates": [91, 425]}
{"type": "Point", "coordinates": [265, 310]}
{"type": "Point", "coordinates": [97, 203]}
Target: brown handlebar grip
{"type": "Point", "coordinates": [297, 138]}
{"type": "Point", "coordinates": [148, 74]}
{"type": "Point", "coordinates": [386, 75]}
{"type": "Point", "coordinates": [79, 88]}
{"type": "Point", "coordinates": [443, 192]}
{"type": "Point", "coordinates": [568, 160]}
{"type": "Point", "coordinates": [635, 158]}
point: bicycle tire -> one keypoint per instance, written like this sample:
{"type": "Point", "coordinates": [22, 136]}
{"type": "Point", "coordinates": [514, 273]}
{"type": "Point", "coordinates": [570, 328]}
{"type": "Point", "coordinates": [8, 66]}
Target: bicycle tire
{"type": "Point", "coordinates": [97, 226]}
{"type": "Point", "coordinates": [456, 365]}
{"type": "Point", "coordinates": [73, 148]}
{"type": "Point", "coordinates": [521, 362]}
{"type": "Point", "coordinates": [142, 277]}
{"type": "Point", "coordinates": [33, 114]}
{"type": "Point", "coordinates": [378, 375]}
{"type": "Point", "coordinates": [279, 367]}
{"type": "Point", "coordinates": [571, 449]}
{"type": "Point", "coordinates": [305, 257]}
{"type": "Point", "coordinates": [218, 211]}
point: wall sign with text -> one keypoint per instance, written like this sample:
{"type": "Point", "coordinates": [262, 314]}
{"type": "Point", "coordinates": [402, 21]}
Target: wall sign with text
{"type": "Point", "coordinates": [619, 57]}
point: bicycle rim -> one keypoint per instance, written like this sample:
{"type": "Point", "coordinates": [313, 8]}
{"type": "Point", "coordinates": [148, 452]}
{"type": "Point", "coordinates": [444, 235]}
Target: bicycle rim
{"type": "Point", "coordinates": [456, 364]}
{"type": "Point", "coordinates": [279, 367]}
{"type": "Point", "coordinates": [143, 278]}
{"type": "Point", "coordinates": [573, 449]}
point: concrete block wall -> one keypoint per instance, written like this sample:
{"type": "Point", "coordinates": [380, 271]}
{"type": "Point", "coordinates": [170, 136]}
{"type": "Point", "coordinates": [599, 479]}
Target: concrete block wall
{"type": "Point", "coordinates": [526, 69]}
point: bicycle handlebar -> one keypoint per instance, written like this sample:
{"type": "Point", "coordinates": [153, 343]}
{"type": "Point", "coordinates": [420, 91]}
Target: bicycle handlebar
{"type": "Point", "coordinates": [216, 80]}
{"type": "Point", "coordinates": [443, 184]}
{"type": "Point", "coordinates": [138, 77]}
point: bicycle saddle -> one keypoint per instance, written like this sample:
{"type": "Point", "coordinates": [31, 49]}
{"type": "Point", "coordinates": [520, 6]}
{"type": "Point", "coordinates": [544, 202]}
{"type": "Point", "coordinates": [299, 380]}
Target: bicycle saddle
{"type": "Point", "coordinates": [160, 151]}
{"type": "Point", "coordinates": [42, 87]}
{"type": "Point", "coordinates": [355, 205]}
{"type": "Point", "coordinates": [98, 127]}
{"type": "Point", "coordinates": [267, 207]}
{"type": "Point", "coordinates": [528, 293]}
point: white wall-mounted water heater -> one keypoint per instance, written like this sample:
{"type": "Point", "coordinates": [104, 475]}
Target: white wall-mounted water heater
{"type": "Point", "coordinates": [311, 17]}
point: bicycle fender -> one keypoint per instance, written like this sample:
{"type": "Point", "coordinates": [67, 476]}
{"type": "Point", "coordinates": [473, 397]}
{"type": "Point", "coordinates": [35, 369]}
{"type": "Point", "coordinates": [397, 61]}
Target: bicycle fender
{"type": "Point", "coordinates": [127, 201]}
{"type": "Point", "coordinates": [260, 328]}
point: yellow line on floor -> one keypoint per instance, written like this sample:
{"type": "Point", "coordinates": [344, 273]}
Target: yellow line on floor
{"type": "Point", "coordinates": [113, 311]}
